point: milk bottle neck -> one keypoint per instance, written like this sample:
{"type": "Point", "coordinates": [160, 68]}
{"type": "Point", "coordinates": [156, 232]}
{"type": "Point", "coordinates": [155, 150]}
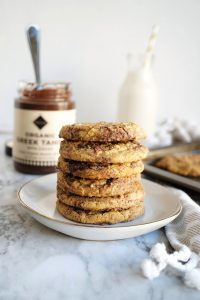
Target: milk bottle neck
{"type": "Point", "coordinates": [135, 71]}
{"type": "Point", "coordinates": [141, 74]}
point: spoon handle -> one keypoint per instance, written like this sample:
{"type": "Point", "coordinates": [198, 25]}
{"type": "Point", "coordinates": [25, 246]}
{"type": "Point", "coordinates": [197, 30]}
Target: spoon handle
{"type": "Point", "coordinates": [33, 35]}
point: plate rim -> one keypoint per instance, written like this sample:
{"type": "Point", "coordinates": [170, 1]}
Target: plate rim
{"type": "Point", "coordinates": [175, 214]}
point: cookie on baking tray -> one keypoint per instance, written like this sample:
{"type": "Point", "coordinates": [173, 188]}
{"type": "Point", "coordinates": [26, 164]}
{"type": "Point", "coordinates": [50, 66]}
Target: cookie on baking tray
{"type": "Point", "coordinates": [183, 164]}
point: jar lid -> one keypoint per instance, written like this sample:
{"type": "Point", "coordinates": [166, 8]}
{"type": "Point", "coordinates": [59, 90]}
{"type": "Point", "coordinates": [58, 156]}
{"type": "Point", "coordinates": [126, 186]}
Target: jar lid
{"type": "Point", "coordinates": [46, 91]}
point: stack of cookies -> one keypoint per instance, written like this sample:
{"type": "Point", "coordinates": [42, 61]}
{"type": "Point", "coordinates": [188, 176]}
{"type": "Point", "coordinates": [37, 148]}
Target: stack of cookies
{"type": "Point", "coordinates": [99, 179]}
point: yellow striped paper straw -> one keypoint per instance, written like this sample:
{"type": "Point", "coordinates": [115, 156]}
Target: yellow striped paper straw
{"type": "Point", "coordinates": [151, 46]}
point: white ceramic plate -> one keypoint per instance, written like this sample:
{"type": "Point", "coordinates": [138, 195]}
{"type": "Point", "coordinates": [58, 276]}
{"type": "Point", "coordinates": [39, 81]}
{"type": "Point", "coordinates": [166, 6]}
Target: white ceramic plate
{"type": "Point", "coordinates": [38, 197]}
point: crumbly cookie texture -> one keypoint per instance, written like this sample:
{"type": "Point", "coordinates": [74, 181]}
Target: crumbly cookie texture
{"type": "Point", "coordinates": [99, 171]}
{"type": "Point", "coordinates": [102, 203]}
{"type": "Point", "coordinates": [97, 188]}
{"type": "Point", "coordinates": [183, 164]}
{"type": "Point", "coordinates": [102, 132]}
{"type": "Point", "coordinates": [115, 153]}
{"type": "Point", "coordinates": [92, 217]}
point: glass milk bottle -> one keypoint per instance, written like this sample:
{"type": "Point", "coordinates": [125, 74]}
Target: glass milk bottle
{"type": "Point", "coordinates": [138, 97]}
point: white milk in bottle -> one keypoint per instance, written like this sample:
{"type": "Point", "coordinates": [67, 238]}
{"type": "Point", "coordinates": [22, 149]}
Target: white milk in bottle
{"type": "Point", "coordinates": [138, 99]}
{"type": "Point", "coordinates": [138, 96]}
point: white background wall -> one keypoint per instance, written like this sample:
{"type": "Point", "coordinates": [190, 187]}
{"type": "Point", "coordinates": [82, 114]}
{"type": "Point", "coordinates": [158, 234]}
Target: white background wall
{"type": "Point", "coordinates": [85, 42]}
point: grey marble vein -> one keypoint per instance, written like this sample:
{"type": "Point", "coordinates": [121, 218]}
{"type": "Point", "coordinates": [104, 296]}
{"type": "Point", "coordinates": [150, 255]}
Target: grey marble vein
{"type": "Point", "coordinates": [39, 263]}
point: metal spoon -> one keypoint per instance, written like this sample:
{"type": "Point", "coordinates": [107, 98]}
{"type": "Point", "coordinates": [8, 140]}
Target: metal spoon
{"type": "Point", "coordinates": [33, 36]}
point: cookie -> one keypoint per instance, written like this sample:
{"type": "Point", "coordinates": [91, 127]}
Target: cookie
{"type": "Point", "coordinates": [102, 132]}
{"type": "Point", "coordinates": [99, 171]}
{"type": "Point", "coordinates": [94, 217]}
{"type": "Point", "coordinates": [97, 188]}
{"type": "Point", "coordinates": [183, 164]}
{"type": "Point", "coordinates": [102, 203]}
{"type": "Point", "coordinates": [115, 153]}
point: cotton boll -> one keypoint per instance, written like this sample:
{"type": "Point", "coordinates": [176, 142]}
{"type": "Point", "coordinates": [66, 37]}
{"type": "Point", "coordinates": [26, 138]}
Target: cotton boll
{"type": "Point", "coordinates": [159, 253]}
{"type": "Point", "coordinates": [192, 278]}
{"type": "Point", "coordinates": [152, 142]}
{"type": "Point", "coordinates": [192, 130]}
{"type": "Point", "coordinates": [183, 254]}
{"type": "Point", "coordinates": [177, 123]}
{"type": "Point", "coordinates": [181, 134]}
{"type": "Point", "coordinates": [164, 138]}
{"type": "Point", "coordinates": [161, 133]}
{"type": "Point", "coordinates": [149, 269]}
{"type": "Point", "coordinates": [164, 127]}
{"type": "Point", "coordinates": [195, 133]}
{"type": "Point", "coordinates": [186, 131]}
{"type": "Point", "coordinates": [185, 124]}
{"type": "Point", "coordinates": [168, 124]}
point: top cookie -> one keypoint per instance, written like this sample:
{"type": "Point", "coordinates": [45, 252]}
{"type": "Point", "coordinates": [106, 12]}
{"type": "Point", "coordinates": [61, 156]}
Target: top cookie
{"type": "Point", "coordinates": [102, 132]}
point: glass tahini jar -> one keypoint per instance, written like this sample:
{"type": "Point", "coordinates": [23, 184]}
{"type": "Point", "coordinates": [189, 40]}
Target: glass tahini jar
{"type": "Point", "coordinates": [39, 115]}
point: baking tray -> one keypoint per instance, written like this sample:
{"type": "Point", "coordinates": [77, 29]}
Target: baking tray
{"type": "Point", "coordinates": [161, 174]}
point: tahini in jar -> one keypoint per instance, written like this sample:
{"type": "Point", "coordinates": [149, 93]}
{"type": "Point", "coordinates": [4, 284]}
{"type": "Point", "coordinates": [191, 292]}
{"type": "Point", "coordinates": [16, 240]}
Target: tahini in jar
{"type": "Point", "coordinates": [40, 112]}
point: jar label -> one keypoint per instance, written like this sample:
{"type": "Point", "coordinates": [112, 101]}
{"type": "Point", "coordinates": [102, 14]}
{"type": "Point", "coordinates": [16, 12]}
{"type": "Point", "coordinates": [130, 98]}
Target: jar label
{"type": "Point", "coordinates": [36, 140]}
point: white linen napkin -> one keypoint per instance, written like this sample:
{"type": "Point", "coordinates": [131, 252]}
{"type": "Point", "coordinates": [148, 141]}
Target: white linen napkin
{"type": "Point", "coordinates": [184, 232]}
{"type": "Point", "coordinates": [186, 228]}
{"type": "Point", "coordinates": [184, 236]}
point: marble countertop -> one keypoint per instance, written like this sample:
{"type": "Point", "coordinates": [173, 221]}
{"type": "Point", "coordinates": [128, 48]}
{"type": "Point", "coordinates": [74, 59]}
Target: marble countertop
{"type": "Point", "coordinates": [39, 263]}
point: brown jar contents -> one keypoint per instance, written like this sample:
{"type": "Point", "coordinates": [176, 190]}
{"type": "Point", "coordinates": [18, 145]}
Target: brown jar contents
{"type": "Point", "coordinates": [40, 112]}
